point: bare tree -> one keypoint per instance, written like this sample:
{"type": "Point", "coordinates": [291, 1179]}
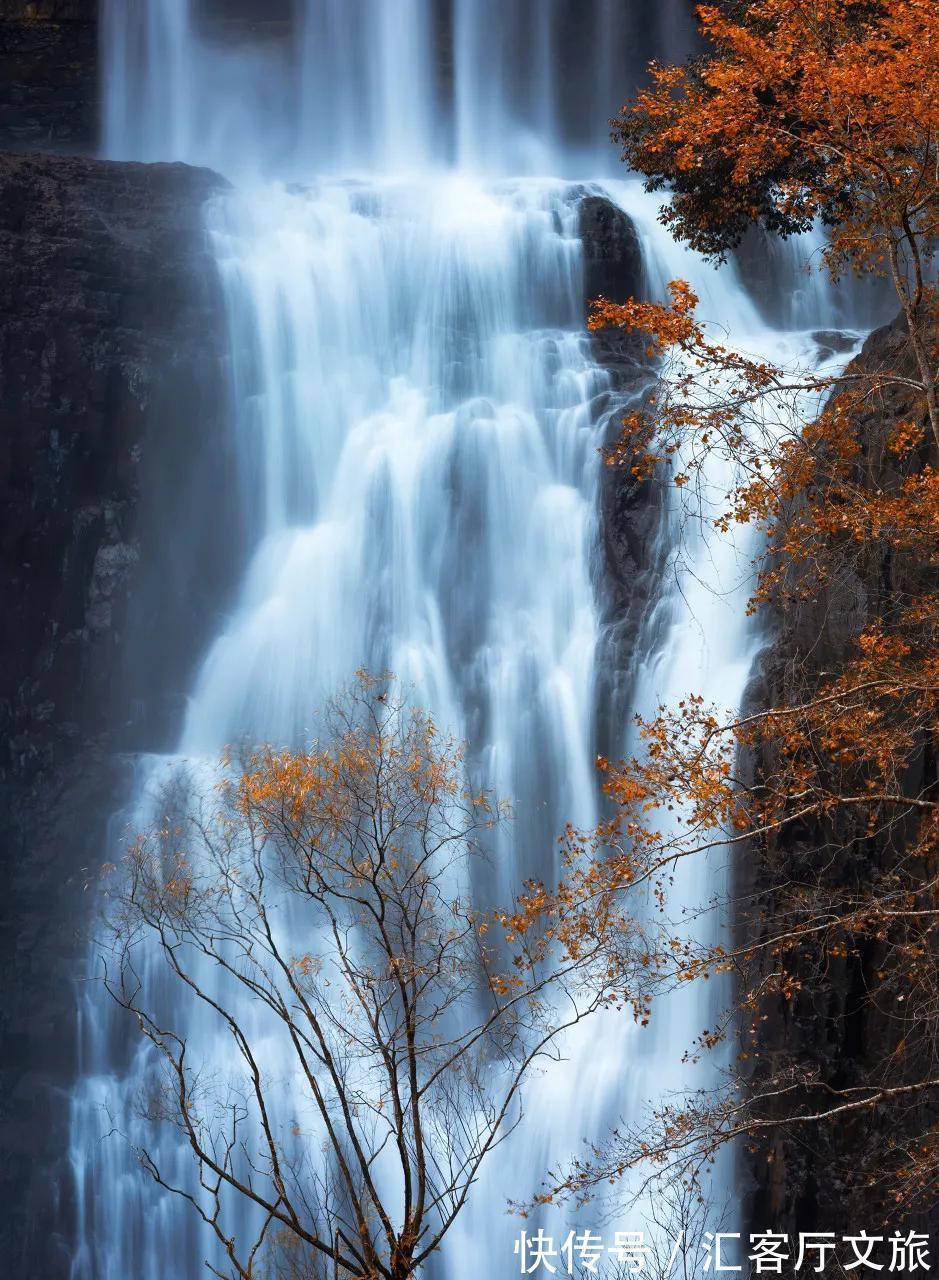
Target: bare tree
{"type": "Point", "coordinates": [314, 909]}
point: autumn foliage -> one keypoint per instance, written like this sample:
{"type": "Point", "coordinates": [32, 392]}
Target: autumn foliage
{"type": "Point", "coordinates": [806, 110]}
{"type": "Point", "coordinates": [313, 909]}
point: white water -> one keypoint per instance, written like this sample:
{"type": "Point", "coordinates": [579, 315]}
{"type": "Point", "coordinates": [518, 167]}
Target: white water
{"type": "Point", "coordinates": [418, 417]}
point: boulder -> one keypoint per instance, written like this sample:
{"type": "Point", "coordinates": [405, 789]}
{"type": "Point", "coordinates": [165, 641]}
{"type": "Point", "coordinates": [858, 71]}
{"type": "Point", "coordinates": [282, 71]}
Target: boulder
{"type": "Point", "coordinates": [613, 266]}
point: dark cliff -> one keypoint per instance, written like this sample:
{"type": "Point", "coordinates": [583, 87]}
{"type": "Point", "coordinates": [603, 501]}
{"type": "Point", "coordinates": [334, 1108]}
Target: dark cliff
{"type": "Point", "coordinates": [837, 1028]}
{"type": "Point", "coordinates": [112, 397]}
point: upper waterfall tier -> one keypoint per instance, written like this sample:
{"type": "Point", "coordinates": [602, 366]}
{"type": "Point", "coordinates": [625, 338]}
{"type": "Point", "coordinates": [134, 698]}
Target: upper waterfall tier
{"type": "Point", "coordinates": [363, 85]}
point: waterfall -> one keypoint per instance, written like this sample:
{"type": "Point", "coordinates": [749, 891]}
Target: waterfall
{"type": "Point", "coordinates": [367, 86]}
{"type": "Point", "coordinates": [149, 107]}
{"type": "Point", "coordinates": [418, 414]}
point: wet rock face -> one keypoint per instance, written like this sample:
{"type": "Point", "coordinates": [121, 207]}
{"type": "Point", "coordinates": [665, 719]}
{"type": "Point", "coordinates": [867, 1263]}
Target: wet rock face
{"type": "Point", "coordinates": [612, 252]}
{"type": "Point", "coordinates": [630, 509]}
{"type": "Point", "coordinates": [613, 269]}
{"type": "Point", "coordinates": [108, 327]}
{"type": "Point", "coordinates": [112, 398]}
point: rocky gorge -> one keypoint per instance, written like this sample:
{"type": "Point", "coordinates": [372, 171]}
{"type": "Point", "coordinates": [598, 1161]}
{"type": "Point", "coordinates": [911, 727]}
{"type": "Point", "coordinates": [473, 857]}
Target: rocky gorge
{"type": "Point", "coordinates": [114, 400]}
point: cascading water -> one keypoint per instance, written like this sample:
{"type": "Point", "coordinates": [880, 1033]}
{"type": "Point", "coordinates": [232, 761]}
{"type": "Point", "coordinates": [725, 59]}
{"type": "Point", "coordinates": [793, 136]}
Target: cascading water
{"type": "Point", "coordinates": [418, 415]}
{"type": "Point", "coordinates": [367, 86]}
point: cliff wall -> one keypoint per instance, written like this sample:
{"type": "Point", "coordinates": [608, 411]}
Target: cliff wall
{"type": "Point", "coordinates": [49, 75]}
{"type": "Point", "coordinates": [112, 398]}
{"type": "Point", "coordinates": [842, 1026]}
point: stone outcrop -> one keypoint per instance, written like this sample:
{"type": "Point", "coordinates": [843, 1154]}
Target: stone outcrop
{"type": "Point", "coordinates": [613, 265]}
{"type": "Point", "coordinates": [631, 509]}
{"type": "Point", "coordinates": [112, 396]}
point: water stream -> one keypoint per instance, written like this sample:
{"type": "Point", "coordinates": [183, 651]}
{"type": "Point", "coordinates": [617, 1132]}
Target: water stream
{"type": "Point", "coordinates": [418, 416]}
